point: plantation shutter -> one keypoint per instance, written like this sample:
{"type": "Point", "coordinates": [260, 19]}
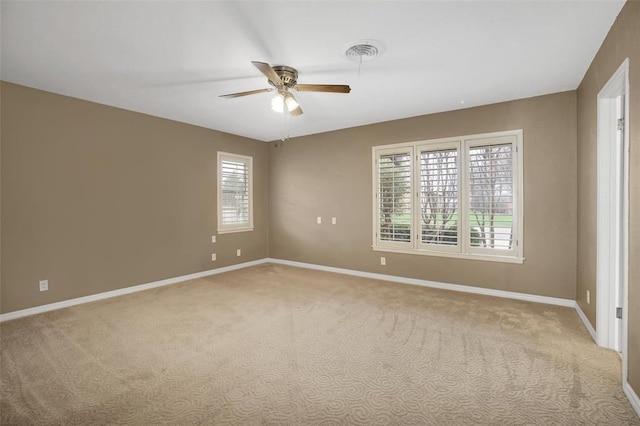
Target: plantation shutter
{"type": "Point", "coordinates": [234, 193]}
{"type": "Point", "coordinates": [457, 197]}
{"type": "Point", "coordinates": [439, 197]}
{"type": "Point", "coordinates": [491, 196]}
{"type": "Point", "coordinates": [394, 197]}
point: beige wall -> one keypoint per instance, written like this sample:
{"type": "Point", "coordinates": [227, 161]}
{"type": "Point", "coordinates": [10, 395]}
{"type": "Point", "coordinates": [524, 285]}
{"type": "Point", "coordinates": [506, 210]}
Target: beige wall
{"type": "Point", "coordinates": [96, 198]}
{"type": "Point", "coordinates": [330, 175]}
{"type": "Point", "coordinates": [622, 41]}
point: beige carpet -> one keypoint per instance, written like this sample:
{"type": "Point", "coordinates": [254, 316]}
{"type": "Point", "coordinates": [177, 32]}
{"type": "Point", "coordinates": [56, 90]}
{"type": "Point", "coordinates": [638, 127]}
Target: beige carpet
{"type": "Point", "coordinates": [280, 345]}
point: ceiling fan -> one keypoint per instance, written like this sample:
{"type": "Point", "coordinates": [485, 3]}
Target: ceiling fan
{"type": "Point", "coordinates": [284, 79]}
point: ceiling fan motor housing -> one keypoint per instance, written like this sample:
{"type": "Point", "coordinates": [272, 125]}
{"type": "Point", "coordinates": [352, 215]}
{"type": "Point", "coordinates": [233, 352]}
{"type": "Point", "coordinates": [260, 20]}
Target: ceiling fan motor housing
{"type": "Point", "coordinates": [288, 75]}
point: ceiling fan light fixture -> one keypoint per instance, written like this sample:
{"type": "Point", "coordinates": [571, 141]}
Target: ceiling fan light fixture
{"type": "Point", "coordinates": [281, 99]}
{"type": "Point", "coordinates": [291, 102]}
{"type": "Point", "coordinates": [277, 103]}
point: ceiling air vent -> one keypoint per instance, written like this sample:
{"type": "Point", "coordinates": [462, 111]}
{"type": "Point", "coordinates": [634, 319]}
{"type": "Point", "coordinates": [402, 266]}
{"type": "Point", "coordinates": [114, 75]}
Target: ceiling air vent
{"type": "Point", "coordinates": [363, 51]}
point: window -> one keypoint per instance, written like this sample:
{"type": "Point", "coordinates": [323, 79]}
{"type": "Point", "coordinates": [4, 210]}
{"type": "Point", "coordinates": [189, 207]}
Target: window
{"type": "Point", "coordinates": [235, 193]}
{"type": "Point", "coordinates": [457, 197]}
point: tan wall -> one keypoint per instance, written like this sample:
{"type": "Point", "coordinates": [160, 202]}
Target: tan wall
{"type": "Point", "coordinates": [96, 198]}
{"type": "Point", "coordinates": [622, 41]}
{"type": "Point", "coordinates": [330, 175]}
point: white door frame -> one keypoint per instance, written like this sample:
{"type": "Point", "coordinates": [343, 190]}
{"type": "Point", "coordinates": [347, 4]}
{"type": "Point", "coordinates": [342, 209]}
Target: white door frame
{"type": "Point", "coordinates": [612, 216]}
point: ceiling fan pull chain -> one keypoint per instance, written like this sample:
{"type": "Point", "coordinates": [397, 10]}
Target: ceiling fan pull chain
{"type": "Point", "coordinates": [288, 125]}
{"type": "Point", "coordinates": [286, 130]}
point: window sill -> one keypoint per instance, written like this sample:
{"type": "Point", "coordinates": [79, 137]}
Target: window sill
{"type": "Point", "coordinates": [466, 256]}
{"type": "Point", "coordinates": [231, 231]}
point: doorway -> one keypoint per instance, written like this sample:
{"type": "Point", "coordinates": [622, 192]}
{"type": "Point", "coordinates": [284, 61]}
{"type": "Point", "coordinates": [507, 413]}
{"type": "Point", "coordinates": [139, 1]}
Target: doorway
{"type": "Point", "coordinates": [612, 212]}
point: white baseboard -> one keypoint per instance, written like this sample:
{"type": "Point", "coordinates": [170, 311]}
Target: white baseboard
{"type": "Point", "coordinates": [108, 294]}
{"type": "Point", "coordinates": [383, 277]}
{"type": "Point", "coordinates": [434, 284]}
{"type": "Point", "coordinates": [632, 396]}
{"type": "Point", "coordinates": [586, 323]}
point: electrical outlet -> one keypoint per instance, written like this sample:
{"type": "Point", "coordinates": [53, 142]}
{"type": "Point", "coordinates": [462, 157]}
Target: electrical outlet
{"type": "Point", "coordinates": [213, 238]}
{"type": "Point", "coordinates": [213, 257]}
{"type": "Point", "coordinates": [238, 252]}
{"type": "Point", "coordinates": [383, 260]}
{"type": "Point", "coordinates": [319, 220]}
{"type": "Point", "coordinates": [44, 285]}
{"type": "Point", "coordinates": [588, 297]}
{"type": "Point", "coordinates": [334, 220]}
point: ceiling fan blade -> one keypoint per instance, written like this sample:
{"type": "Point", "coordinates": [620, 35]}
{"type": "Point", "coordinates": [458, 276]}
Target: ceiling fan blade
{"type": "Point", "coordinates": [266, 69]}
{"type": "Point", "coordinates": [250, 92]}
{"type": "Point", "coordinates": [332, 88]}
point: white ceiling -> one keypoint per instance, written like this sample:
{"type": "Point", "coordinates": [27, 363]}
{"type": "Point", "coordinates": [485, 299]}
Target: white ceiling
{"type": "Point", "coordinates": [173, 59]}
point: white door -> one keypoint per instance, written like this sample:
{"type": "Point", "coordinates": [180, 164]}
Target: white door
{"type": "Point", "coordinates": [612, 211]}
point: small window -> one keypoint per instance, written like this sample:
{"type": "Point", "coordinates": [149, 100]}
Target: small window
{"type": "Point", "coordinates": [235, 193]}
{"type": "Point", "coordinates": [456, 197]}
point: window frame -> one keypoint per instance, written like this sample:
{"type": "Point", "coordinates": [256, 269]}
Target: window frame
{"type": "Point", "coordinates": [463, 248]}
{"type": "Point", "coordinates": [227, 228]}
